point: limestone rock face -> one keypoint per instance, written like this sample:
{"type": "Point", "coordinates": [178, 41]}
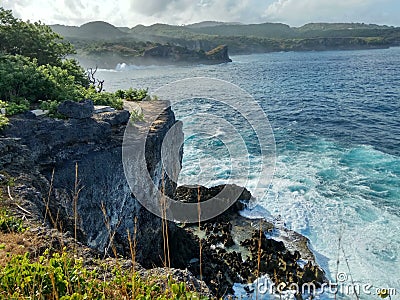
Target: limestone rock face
{"type": "Point", "coordinates": [176, 54]}
{"type": "Point", "coordinates": [219, 54]}
{"type": "Point", "coordinates": [77, 110]}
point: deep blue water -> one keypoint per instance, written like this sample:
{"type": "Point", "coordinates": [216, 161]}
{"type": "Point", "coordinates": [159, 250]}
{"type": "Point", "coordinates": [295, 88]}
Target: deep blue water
{"type": "Point", "coordinates": [336, 120]}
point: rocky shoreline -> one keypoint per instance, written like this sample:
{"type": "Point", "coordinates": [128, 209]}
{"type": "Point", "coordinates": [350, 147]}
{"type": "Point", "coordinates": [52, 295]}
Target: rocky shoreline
{"type": "Point", "coordinates": [234, 249]}
{"type": "Point", "coordinates": [156, 55]}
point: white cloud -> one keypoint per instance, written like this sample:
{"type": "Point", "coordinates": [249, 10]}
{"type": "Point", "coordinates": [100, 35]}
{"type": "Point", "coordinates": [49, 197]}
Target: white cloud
{"type": "Point", "coordinates": [189, 11]}
{"type": "Point", "coordinates": [299, 12]}
{"type": "Point", "coordinates": [132, 12]}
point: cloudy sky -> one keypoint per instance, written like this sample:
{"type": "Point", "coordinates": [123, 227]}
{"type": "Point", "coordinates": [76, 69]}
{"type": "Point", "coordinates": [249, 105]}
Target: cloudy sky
{"type": "Point", "coordinates": [132, 12]}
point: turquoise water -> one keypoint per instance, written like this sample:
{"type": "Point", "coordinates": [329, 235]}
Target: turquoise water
{"type": "Point", "coordinates": [336, 120]}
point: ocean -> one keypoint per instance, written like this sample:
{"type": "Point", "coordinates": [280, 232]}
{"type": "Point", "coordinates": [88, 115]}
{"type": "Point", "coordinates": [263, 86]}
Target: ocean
{"type": "Point", "coordinates": [335, 116]}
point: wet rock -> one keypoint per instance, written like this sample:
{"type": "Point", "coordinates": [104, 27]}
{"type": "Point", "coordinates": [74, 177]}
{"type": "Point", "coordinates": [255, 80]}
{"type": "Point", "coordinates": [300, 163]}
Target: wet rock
{"type": "Point", "coordinates": [236, 195]}
{"type": "Point", "coordinates": [225, 238]}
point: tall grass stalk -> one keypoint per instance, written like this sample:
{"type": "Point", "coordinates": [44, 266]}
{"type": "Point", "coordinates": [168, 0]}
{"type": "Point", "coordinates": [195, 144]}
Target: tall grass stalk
{"type": "Point", "coordinates": [48, 200]}
{"type": "Point", "coordinates": [164, 224]}
{"type": "Point", "coordinates": [75, 197]}
{"type": "Point", "coordinates": [258, 256]}
{"type": "Point", "coordinates": [111, 232]}
{"type": "Point", "coordinates": [200, 244]}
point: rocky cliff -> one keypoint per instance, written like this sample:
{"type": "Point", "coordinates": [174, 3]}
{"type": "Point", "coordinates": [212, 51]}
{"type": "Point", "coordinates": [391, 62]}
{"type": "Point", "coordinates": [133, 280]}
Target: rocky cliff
{"type": "Point", "coordinates": [84, 152]}
{"type": "Point", "coordinates": [157, 54]}
{"type": "Point", "coordinates": [69, 174]}
{"type": "Point", "coordinates": [176, 54]}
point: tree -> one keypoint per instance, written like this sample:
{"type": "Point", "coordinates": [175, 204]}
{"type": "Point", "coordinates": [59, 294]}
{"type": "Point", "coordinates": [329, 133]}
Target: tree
{"type": "Point", "coordinates": [33, 40]}
{"type": "Point", "coordinates": [22, 77]}
{"type": "Point", "coordinates": [34, 69]}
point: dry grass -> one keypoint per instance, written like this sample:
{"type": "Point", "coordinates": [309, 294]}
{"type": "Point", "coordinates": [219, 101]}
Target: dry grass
{"type": "Point", "coordinates": [117, 282]}
{"type": "Point", "coordinates": [15, 243]}
{"type": "Point", "coordinates": [18, 244]}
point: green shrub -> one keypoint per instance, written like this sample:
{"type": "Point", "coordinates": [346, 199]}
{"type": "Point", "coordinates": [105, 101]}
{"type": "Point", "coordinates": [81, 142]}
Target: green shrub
{"type": "Point", "coordinates": [120, 94]}
{"type": "Point", "coordinates": [33, 69]}
{"type": "Point", "coordinates": [52, 107]}
{"type": "Point", "coordinates": [22, 77]}
{"type": "Point", "coordinates": [136, 116]}
{"type": "Point", "coordinates": [9, 223]}
{"type": "Point", "coordinates": [17, 106]}
{"type": "Point", "coordinates": [103, 98]}
{"type": "Point", "coordinates": [133, 94]}
{"type": "Point", "coordinates": [3, 121]}
{"type": "Point", "coordinates": [59, 276]}
{"type": "Point", "coordinates": [59, 84]}
{"type": "Point", "coordinates": [73, 68]}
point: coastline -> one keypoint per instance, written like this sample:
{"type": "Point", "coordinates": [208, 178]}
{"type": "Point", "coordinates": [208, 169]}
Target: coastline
{"type": "Point", "coordinates": [30, 185]}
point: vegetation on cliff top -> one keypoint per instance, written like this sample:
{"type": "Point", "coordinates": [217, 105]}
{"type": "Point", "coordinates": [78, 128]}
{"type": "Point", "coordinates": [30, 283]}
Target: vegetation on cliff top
{"type": "Point", "coordinates": [61, 276]}
{"type": "Point", "coordinates": [35, 72]}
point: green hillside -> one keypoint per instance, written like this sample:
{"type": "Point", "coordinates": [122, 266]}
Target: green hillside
{"type": "Point", "coordinates": [99, 37]}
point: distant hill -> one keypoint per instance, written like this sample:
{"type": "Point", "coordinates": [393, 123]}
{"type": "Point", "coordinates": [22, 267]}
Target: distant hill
{"type": "Point", "coordinates": [100, 38]}
{"type": "Point", "coordinates": [97, 30]}
{"type": "Point", "coordinates": [210, 24]}
{"type": "Point", "coordinates": [270, 30]}
{"type": "Point", "coordinates": [209, 30]}
{"type": "Point", "coordinates": [341, 26]}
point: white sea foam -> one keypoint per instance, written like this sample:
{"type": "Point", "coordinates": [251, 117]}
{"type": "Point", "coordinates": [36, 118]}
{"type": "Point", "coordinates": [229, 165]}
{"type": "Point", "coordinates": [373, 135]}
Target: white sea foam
{"type": "Point", "coordinates": [323, 188]}
{"type": "Point", "coordinates": [321, 196]}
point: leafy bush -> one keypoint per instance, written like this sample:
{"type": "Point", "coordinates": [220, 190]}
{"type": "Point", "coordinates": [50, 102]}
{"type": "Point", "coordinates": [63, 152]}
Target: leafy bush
{"type": "Point", "coordinates": [20, 78]}
{"type": "Point", "coordinates": [33, 69]}
{"type": "Point", "coordinates": [3, 121]}
{"type": "Point", "coordinates": [9, 223]}
{"type": "Point", "coordinates": [24, 78]}
{"type": "Point", "coordinates": [120, 94]}
{"type": "Point", "coordinates": [73, 68]}
{"type": "Point", "coordinates": [133, 94]}
{"type": "Point", "coordinates": [136, 116]}
{"type": "Point", "coordinates": [17, 106]}
{"type": "Point", "coordinates": [103, 98]}
{"type": "Point", "coordinates": [52, 107]}
{"type": "Point", "coordinates": [59, 84]}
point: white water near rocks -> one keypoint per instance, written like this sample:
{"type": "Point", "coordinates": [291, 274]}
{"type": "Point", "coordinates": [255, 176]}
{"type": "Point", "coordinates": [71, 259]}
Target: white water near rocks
{"type": "Point", "coordinates": [336, 121]}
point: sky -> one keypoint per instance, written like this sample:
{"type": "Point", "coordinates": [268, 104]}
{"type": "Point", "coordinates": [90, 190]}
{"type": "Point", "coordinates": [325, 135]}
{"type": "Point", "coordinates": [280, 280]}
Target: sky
{"type": "Point", "coordinates": [178, 12]}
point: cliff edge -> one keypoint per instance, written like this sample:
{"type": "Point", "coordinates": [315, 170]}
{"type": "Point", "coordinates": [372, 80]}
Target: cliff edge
{"type": "Point", "coordinates": [77, 162]}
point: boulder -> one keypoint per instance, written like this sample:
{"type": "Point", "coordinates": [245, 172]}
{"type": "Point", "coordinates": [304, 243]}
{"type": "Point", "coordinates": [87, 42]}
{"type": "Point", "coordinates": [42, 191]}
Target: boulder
{"type": "Point", "coordinates": [77, 110]}
{"type": "Point", "coordinates": [224, 192]}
